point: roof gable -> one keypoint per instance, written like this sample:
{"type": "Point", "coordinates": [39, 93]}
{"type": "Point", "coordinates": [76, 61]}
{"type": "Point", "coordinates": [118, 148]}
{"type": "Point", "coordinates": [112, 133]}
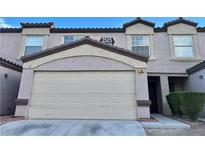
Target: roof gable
{"type": "Point", "coordinates": [179, 21]}
{"type": "Point", "coordinates": [138, 20]}
{"type": "Point", "coordinates": [80, 42]}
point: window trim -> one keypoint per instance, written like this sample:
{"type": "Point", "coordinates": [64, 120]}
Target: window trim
{"type": "Point", "coordinates": [141, 45]}
{"type": "Point", "coordinates": [42, 47]}
{"type": "Point", "coordinates": [192, 45]}
{"type": "Point", "coordinates": [151, 46]}
{"type": "Point", "coordinates": [173, 56]}
{"type": "Point", "coordinates": [23, 43]}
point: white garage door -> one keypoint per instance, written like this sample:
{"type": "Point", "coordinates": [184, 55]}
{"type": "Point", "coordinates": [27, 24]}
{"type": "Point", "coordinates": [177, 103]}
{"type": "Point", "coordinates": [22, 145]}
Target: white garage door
{"type": "Point", "coordinates": [83, 95]}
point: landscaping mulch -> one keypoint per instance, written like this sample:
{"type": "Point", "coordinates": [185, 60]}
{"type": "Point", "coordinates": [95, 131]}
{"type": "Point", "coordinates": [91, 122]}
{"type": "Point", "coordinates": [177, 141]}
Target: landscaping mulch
{"type": "Point", "coordinates": [9, 118]}
{"type": "Point", "coordinates": [151, 119]}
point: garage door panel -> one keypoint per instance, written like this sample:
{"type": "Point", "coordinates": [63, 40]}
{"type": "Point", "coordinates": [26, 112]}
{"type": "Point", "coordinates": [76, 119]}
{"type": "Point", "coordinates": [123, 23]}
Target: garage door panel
{"type": "Point", "coordinates": [83, 105]}
{"type": "Point", "coordinates": [83, 95]}
{"type": "Point", "coordinates": [77, 114]}
{"type": "Point", "coordinates": [84, 76]}
{"type": "Point", "coordinates": [78, 110]}
{"type": "Point", "coordinates": [80, 87]}
{"type": "Point", "coordinates": [112, 101]}
{"type": "Point", "coordinates": [73, 96]}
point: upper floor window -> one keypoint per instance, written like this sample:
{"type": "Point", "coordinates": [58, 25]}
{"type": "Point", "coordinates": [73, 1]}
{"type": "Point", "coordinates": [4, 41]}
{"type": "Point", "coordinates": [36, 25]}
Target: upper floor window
{"type": "Point", "coordinates": [183, 46]}
{"type": "Point", "coordinates": [33, 44]}
{"type": "Point", "coordinates": [71, 38]}
{"type": "Point", "coordinates": [141, 45]}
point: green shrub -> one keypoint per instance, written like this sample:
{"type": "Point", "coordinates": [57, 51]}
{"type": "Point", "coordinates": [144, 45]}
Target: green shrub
{"type": "Point", "coordinates": [174, 103]}
{"type": "Point", "coordinates": [191, 103]}
{"type": "Point", "coordinates": [188, 103]}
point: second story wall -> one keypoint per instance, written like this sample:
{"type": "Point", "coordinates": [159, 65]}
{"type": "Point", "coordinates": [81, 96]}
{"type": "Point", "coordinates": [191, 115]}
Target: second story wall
{"type": "Point", "coordinates": [164, 62]}
{"type": "Point", "coordinates": [201, 44]}
{"type": "Point", "coordinates": [10, 44]}
{"type": "Point", "coordinates": [55, 39]}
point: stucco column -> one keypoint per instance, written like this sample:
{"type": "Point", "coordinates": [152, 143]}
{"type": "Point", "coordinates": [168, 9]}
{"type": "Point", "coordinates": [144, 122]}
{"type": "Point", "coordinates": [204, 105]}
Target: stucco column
{"type": "Point", "coordinates": [25, 91]}
{"type": "Point", "coordinates": [165, 91]}
{"type": "Point", "coordinates": [141, 85]}
{"type": "Point", "coordinates": [26, 84]}
{"type": "Point", "coordinates": [142, 94]}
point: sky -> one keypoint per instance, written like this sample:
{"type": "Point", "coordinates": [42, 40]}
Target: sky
{"type": "Point", "coordinates": [89, 22]}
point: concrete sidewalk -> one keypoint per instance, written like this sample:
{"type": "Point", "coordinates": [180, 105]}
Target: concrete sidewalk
{"type": "Point", "coordinates": [165, 122]}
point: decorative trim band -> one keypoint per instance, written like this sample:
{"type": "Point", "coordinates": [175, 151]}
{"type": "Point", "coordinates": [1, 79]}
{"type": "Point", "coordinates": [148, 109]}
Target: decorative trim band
{"type": "Point", "coordinates": [144, 103]}
{"type": "Point", "coordinates": [21, 101]}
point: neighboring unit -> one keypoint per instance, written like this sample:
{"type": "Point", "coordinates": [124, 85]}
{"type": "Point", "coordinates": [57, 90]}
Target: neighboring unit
{"type": "Point", "coordinates": [196, 80]}
{"type": "Point", "coordinates": [10, 77]}
{"type": "Point", "coordinates": [102, 73]}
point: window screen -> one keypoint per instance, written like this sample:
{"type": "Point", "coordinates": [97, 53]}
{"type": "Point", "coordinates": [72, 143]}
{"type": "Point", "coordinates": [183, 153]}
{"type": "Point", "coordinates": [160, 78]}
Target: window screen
{"type": "Point", "coordinates": [33, 44]}
{"type": "Point", "coordinates": [140, 45]}
{"type": "Point", "coordinates": [183, 46]}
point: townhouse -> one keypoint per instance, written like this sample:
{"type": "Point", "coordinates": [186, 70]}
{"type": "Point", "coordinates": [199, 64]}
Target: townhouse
{"type": "Point", "coordinates": [101, 73]}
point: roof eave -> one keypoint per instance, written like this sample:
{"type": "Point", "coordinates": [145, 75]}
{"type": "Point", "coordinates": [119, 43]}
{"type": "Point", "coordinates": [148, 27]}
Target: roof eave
{"type": "Point", "coordinates": [37, 25]}
{"type": "Point", "coordinates": [10, 65]}
{"type": "Point", "coordinates": [196, 68]}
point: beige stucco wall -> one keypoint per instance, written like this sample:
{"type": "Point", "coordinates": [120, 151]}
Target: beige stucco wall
{"type": "Point", "coordinates": [9, 88]}
{"type": "Point", "coordinates": [35, 31]}
{"type": "Point", "coordinates": [143, 112]}
{"type": "Point", "coordinates": [10, 44]}
{"type": "Point", "coordinates": [57, 38]}
{"type": "Point", "coordinates": [201, 44]}
{"type": "Point", "coordinates": [84, 63]}
{"type": "Point", "coordinates": [139, 29]}
{"type": "Point", "coordinates": [163, 62]}
{"type": "Point", "coordinates": [141, 85]}
{"type": "Point", "coordinates": [181, 29]}
{"type": "Point", "coordinates": [25, 85]}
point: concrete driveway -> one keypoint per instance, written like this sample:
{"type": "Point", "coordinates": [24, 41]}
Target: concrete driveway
{"type": "Point", "coordinates": [72, 128]}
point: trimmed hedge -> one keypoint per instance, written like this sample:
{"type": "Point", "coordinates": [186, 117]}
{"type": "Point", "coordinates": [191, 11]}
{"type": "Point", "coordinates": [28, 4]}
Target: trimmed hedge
{"type": "Point", "coordinates": [192, 103]}
{"type": "Point", "coordinates": [188, 103]}
{"type": "Point", "coordinates": [174, 103]}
